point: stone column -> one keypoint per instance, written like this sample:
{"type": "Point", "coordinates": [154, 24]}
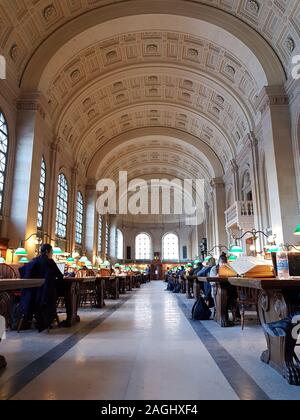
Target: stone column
{"type": "Point", "coordinates": [91, 219]}
{"type": "Point", "coordinates": [256, 190]}
{"type": "Point", "coordinates": [273, 104]}
{"type": "Point", "coordinates": [30, 128]}
{"type": "Point", "coordinates": [235, 172]}
{"type": "Point", "coordinates": [219, 204]}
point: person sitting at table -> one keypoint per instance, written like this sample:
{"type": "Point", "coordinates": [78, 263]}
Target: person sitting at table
{"type": "Point", "coordinates": [41, 303]}
{"type": "Point", "coordinates": [206, 286]}
{"type": "Point", "coordinates": [198, 269]}
{"type": "Point", "coordinates": [214, 272]}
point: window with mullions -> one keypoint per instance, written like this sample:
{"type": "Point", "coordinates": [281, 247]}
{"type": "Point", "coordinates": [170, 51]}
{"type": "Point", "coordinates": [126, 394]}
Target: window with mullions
{"type": "Point", "coordinates": [100, 224]}
{"type": "Point", "coordinates": [143, 247]}
{"type": "Point", "coordinates": [3, 156]}
{"type": "Point", "coordinates": [42, 193]}
{"type": "Point", "coordinates": [170, 247]}
{"type": "Point", "coordinates": [106, 238]}
{"type": "Point", "coordinates": [119, 245]}
{"type": "Point", "coordinates": [62, 207]}
{"type": "Point", "coordinates": [79, 219]}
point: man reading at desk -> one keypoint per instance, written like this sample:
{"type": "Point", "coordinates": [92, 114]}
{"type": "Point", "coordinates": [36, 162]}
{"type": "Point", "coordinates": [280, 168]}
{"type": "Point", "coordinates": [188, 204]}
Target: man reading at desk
{"type": "Point", "coordinates": [41, 303]}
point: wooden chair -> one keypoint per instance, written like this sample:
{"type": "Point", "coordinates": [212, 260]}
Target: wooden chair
{"type": "Point", "coordinates": [88, 291]}
{"type": "Point", "coordinates": [247, 300]}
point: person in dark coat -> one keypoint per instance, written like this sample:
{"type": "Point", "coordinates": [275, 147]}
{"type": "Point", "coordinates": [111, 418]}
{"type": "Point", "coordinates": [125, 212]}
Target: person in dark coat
{"type": "Point", "coordinates": [40, 303]}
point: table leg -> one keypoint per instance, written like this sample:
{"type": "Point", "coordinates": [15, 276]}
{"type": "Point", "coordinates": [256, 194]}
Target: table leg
{"type": "Point", "coordinates": [188, 290]}
{"type": "Point", "coordinates": [196, 289]}
{"type": "Point", "coordinates": [274, 306]}
{"type": "Point", "coordinates": [72, 295]}
{"type": "Point", "coordinates": [100, 285]}
{"type": "Point", "coordinates": [222, 316]}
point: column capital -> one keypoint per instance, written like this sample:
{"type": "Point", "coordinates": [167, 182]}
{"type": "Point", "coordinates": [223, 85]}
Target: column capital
{"type": "Point", "coordinates": [91, 184]}
{"type": "Point", "coordinates": [271, 96]}
{"type": "Point", "coordinates": [217, 183]}
{"type": "Point", "coordinates": [32, 101]}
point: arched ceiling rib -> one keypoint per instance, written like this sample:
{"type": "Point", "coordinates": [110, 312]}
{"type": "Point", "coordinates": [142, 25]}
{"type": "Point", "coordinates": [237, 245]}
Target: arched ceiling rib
{"type": "Point", "coordinates": [156, 116]}
{"type": "Point", "coordinates": [154, 147]}
{"type": "Point", "coordinates": [30, 31]}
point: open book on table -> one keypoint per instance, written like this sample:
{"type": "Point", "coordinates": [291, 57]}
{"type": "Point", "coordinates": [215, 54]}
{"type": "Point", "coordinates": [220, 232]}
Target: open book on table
{"type": "Point", "coordinates": [248, 267]}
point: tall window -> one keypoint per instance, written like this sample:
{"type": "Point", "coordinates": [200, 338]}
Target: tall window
{"type": "Point", "coordinates": [3, 156]}
{"type": "Point", "coordinates": [143, 247]}
{"type": "Point", "coordinates": [106, 238]}
{"type": "Point", "coordinates": [170, 247]}
{"type": "Point", "coordinates": [62, 207]}
{"type": "Point", "coordinates": [79, 219]}
{"type": "Point", "coordinates": [100, 224]}
{"type": "Point", "coordinates": [119, 245]}
{"type": "Point", "coordinates": [42, 191]}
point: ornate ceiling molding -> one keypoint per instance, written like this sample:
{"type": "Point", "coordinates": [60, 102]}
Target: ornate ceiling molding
{"type": "Point", "coordinates": [27, 30]}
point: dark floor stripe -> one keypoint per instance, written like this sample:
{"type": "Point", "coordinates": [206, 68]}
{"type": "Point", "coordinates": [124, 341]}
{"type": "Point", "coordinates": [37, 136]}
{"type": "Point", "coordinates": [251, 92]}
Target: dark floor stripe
{"type": "Point", "coordinates": [242, 383]}
{"type": "Point", "coordinates": [17, 382]}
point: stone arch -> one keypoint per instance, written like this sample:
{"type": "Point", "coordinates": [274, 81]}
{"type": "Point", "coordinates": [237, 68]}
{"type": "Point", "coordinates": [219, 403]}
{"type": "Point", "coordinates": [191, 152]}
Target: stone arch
{"type": "Point", "coordinates": [236, 27]}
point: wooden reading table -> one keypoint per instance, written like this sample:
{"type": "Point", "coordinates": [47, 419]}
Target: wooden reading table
{"type": "Point", "coordinates": [10, 285]}
{"type": "Point", "coordinates": [277, 300]}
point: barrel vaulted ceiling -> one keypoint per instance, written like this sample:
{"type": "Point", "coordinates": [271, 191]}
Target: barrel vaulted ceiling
{"type": "Point", "coordinates": [103, 83]}
{"type": "Point", "coordinates": [25, 24]}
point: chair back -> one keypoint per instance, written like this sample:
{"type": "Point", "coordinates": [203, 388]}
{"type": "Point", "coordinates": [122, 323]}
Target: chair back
{"type": "Point", "coordinates": [8, 272]}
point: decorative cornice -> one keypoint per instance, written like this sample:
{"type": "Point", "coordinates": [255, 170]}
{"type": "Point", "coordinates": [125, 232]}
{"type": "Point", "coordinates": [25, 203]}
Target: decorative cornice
{"type": "Point", "coordinates": [217, 183]}
{"type": "Point", "coordinates": [31, 102]}
{"type": "Point", "coordinates": [271, 96]}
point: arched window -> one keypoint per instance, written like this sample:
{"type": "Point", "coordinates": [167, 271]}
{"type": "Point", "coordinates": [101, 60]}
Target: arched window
{"type": "Point", "coordinates": [170, 247]}
{"type": "Point", "coordinates": [143, 247]}
{"type": "Point", "coordinates": [100, 224]}
{"type": "Point", "coordinates": [79, 219]}
{"type": "Point", "coordinates": [62, 207]}
{"type": "Point", "coordinates": [106, 238]}
{"type": "Point", "coordinates": [42, 193]}
{"type": "Point", "coordinates": [119, 245]}
{"type": "Point", "coordinates": [3, 156]}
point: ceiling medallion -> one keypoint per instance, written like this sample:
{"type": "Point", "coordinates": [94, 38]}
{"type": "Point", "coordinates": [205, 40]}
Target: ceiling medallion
{"type": "Point", "coordinates": [112, 55]}
{"type": "Point", "coordinates": [14, 52]}
{"type": "Point", "coordinates": [290, 44]}
{"type": "Point", "coordinates": [192, 52]}
{"type": "Point", "coordinates": [152, 48]}
{"type": "Point", "coordinates": [230, 70]}
{"type": "Point", "coordinates": [49, 12]}
{"type": "Point", "coordinates": [253, 6]}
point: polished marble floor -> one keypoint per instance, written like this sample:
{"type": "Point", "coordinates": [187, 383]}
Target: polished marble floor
{"type": "Point", "coordinates": [142, 347]}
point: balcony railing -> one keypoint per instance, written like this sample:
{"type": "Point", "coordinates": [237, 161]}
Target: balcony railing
{"type": "Point", "coordinates": [241, 213]}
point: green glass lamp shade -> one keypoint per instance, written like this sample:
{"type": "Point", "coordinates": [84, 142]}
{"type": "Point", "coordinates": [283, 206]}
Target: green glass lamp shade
{"type": "Point", "coordinates": [197, 262]}
{"type": "Point", "coordinates": [236, 249]}
{"type": "Point", "coordinates": [2, 260]}
{"type": "Point", "coordinates": [106, 263]}
{"type": "Point", "coordinates": [21, 252]}
{"type": "Point", "coordinates": [24, 260]}
{"type": "Point", "coordinates": [57, 251]}
{"type": "Point", "coordinates": [117, 265]}
{"type": "Point", "coordinates": [274, 248]}
{"type": "Point", "coordinates": [297, 231]}
{"type": "Point", "coordinates": [189, 265]}
{"type": "Point", "coordinates": [83, 260]}
{"type": "Point", "coordinates": [70, 260]}
{"type": "Point", "coordinates": [207, 259]}
{"type": "Point", "coordinates": [232, 258]}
